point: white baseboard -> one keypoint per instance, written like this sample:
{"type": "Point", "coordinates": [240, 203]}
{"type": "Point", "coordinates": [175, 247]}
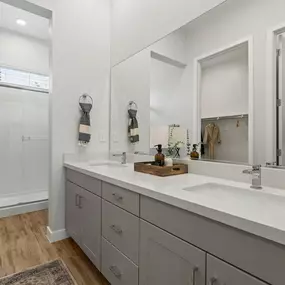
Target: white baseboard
{"type": "Point", "coordinates": [54, 236]}
{"type": "Point", "coordinates": [22, 209]}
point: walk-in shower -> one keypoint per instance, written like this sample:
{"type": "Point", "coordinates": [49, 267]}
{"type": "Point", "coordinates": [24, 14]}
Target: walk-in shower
{"type": "Point", "coordinates": [24, 108]}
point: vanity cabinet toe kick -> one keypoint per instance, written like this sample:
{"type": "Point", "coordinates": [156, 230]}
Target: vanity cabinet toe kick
{"type": "Point", "coordinates": [136, 240]}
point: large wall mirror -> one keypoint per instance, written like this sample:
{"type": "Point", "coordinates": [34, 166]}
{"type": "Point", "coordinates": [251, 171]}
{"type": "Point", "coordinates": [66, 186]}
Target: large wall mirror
{"type": "Point", "coordinates": [205, 84]}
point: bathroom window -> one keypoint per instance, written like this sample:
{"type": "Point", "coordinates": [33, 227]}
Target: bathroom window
{"type": "Point", "coordinates": [23, 79]}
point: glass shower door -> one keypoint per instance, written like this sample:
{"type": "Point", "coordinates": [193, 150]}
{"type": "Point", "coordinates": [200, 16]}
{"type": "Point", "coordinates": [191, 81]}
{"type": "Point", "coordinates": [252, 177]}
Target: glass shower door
{"type": "Point", "coordinates": [11, 168]}
{"type": "Point", "coordinates": [35, 142]}
{"type": "Point", "coordinates": [24, 146]}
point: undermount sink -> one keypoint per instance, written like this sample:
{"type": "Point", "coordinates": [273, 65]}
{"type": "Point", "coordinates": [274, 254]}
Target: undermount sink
{"type": "Point", "coordinates": [213, 187]}
{"type": "Point", "coordinates": [107, 163]}
{"type": "Point", "coordinates": [231, 194]}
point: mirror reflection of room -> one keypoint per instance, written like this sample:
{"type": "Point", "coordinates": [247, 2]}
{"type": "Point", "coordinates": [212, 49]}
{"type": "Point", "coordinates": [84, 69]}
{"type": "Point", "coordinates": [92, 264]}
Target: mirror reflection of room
{"type": "Point", "coordinates": [224, 105]}
{"type": "Point", "coordinates": [167, 122]}
{"type": "Point", "coordinates": [231, 95]}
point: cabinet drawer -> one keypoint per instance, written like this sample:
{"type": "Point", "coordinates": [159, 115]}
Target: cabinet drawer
{"type": "Point", "coordinates": [257, 256]}
{"type": "Point", "coordinates": [220, 273]}
{"type": "Point", "coordinates": [121, 229]}
{"type": "Point", "coordinates": [87, 182]}
{"type": "Point", "coordinates": [122, 198]}
{"type": "Point", "coordinates": [167, 260]}
{"type": "Point", "coordinates": [116, 267]}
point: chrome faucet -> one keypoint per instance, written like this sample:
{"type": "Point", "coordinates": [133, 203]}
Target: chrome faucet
{"type": "Point", "coordinates": [123, 155]}
{"type": "Point", "coordinates": [256, 176]}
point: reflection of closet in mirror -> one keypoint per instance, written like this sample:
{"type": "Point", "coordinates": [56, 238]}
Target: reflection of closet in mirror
{"type": "Point", "coordinates": [224, 105]}
{"type": "Point", "coordinates": [232, 143]}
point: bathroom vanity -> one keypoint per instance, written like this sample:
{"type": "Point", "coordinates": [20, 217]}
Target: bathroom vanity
{"type": "Point", "coordinates": [137, 230]}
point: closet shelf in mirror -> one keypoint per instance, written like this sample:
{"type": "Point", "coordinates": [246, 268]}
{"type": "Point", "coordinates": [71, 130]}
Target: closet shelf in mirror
{"type": "Point", "coordinates": [241, 116]}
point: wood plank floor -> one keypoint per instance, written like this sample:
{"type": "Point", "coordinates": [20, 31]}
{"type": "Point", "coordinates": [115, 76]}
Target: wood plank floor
{"type": "Point", "coordinates": [23, 244]}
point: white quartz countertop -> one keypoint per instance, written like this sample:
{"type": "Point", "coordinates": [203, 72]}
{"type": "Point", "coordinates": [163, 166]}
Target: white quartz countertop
{"type": "Point", "coordinates": [260, 212]}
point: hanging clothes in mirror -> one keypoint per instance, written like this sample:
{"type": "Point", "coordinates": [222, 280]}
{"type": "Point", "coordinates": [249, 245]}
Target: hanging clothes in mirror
{"type": "Point", "coordinates": [212, 136]}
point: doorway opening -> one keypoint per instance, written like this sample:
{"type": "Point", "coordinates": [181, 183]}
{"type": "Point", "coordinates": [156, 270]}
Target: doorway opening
{"type": "Point", "coordinates": [24, 103]}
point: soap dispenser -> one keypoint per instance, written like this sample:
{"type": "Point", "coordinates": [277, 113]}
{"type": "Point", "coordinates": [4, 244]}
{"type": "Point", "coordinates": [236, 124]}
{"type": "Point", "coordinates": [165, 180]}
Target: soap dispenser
{"type": "Point", "coordinates": [159, 157]}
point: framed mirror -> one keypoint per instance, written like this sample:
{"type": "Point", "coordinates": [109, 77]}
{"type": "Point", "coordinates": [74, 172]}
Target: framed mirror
{"type": "Point", "coordinates": [279, 149]}
{"type": "Point", "coordinates": [276, 92]}
{"type": "Point", "coordinates": [218, 80]}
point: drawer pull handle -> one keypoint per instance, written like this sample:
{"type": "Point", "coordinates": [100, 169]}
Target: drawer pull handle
{"type": "Point", "coordinates": [213, 281]}
{"type": "Point", "coordinates": [79, 203]}
{"type": "Point", "coordinates": [116, 229]}
{"type": "Point", "coordinates": [76, 200]}
{"type": "Point", "coordinates": [117, 197]}
{"type": "Point", "coordinates": [115, 270]}
{"type": "Point", "coordinates": [194, 272]}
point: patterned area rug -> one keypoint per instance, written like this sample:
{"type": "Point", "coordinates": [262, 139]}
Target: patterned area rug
{"type": "Point", "coordinates": [53, 273]}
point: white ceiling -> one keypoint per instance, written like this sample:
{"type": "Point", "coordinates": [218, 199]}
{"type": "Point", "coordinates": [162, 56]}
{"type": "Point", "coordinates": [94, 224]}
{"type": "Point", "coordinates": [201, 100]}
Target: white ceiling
{"type": "Point", "coordinates": [37, 26]}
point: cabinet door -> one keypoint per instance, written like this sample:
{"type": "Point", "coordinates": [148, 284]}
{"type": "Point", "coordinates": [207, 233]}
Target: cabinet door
{"type": "Point", "coordinates": [90, 206]}
{"type": "Point", "coordinates": [167, 260]}
{"type": "Point", "coordinates": [221, 273]}
{"type": "Point", "coordinates": [72, 211]}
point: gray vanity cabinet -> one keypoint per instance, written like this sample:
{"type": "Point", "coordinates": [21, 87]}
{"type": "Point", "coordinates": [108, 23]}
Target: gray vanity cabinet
{"type": "Point", "coordinates": [167, 260]}
{"type": "Point", "coordinates": [136, 240]}
{"type": "Point", "coordinates": [72, 216]}
{"type": "Point", "coordinates": [83, 220]}
{"type": "Point", "coordinates": [90, 206]}
{"type": "Point", "coordinates": [221, 273]}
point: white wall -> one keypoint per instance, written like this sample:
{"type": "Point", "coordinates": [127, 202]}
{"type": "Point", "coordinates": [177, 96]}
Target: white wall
{"type": "Point", "coordinates": [224, 84]}
{"type": "Point", "coordinates": [165, 102]}
{"type": "Point", "coordinates": [47, 4]}
{"type": "Point", "coordinates": [137, 24]}
{"type": "Point", "coordinates": [173, 46]}
{"type": "Point", "coordinates": [23, 52]}
{"type": "Point", "coordinates": [80, 64]}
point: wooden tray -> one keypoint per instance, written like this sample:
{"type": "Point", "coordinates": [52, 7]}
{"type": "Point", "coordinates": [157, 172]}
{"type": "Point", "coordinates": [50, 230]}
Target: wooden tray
{"type": "Point", "coordinates": [162, 171]}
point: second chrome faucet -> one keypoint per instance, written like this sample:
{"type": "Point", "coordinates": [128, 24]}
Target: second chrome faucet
{"type": "Point", "coordinates": [256, 176]}
{"type": "Point", "coordinates": [123, 155]}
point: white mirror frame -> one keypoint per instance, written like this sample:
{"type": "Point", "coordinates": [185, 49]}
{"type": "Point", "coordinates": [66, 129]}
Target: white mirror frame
{"type": "Point", "coordinates": [196, 98]}
{"type": "Point", "coordinates": [271, 91]}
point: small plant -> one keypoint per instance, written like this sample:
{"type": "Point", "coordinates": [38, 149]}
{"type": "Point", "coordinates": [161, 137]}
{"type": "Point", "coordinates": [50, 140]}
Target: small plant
{"type": "Point", "coordinates": [173, 146]}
